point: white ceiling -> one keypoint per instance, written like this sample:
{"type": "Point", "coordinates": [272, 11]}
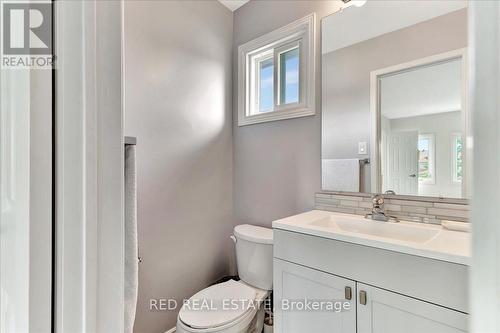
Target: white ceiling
{"type": "Point", "coordinates": [378, 17]}
{"type": "Point", "coordinates": [233, 4]}
{"type": "Point", "coordinates": [423, 91]}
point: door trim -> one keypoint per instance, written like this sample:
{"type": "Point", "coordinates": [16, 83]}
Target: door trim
{"type": "Point", "coordinates": [89, 167]}
{"type": "Point", "coordinates": [375, 112]}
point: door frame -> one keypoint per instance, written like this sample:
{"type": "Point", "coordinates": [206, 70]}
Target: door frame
{"type": "Point", "coordinates": [484, 20]}
{"type": "Point", "coordinates": [89, 166]}
{"type": "Point", "coordinates": [375, 112]}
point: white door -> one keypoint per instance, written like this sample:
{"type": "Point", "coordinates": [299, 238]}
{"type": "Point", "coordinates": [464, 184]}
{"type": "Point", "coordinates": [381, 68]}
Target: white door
{"type": "Point", "coordinates": [381, 311]}
{"type": "Point", "coordinates": [25, 200]}
{"type": "Point", "coordinates": [295, 283]}
{"type": "Point", "coordinates": [402, 163]}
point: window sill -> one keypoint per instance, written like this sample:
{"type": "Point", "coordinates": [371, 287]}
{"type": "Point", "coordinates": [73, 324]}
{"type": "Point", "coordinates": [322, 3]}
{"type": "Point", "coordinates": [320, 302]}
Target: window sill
{"type": "Point", "coordinates": [276, 115]}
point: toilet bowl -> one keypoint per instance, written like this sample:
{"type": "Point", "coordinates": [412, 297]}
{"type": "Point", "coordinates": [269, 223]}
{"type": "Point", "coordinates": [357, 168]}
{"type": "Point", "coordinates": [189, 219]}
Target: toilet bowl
{"type": "Point", "coordinates": [229, 307]}
{"type": "Point", "coordinates": [235, 306]}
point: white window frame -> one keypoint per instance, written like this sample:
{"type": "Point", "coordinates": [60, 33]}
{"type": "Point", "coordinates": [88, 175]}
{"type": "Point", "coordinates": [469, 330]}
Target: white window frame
{"type": "Point", "coordinates": [277, 87]}
{"type": "Point", "coordinates": [300, 33]}
{"type": "Point", "coordinates": [254, 93]}
{"type": "Point", "coordinates": [432, 158]}
{"type": "Point", "coordinates": [454, 156]}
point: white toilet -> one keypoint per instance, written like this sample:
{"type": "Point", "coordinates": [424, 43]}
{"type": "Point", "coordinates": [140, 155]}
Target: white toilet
{"type": "Point", "coordinates": [235, 306]}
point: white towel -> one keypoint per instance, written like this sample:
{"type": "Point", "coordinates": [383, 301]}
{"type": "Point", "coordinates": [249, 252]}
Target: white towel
{"type": "Point", "coordinates": [340, 175]}
{"type": "Point", "coordinates": [131, 248]}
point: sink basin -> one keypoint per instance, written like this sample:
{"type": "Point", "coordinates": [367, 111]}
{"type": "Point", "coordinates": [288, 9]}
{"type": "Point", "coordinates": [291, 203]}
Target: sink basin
{"type": "Point", "coordinates": [396, 231]}
{"type": "Point", "coordinates": [425, 240]}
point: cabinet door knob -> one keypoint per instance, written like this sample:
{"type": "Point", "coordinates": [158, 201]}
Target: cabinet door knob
{"type": "Point", "coordinates": [348, 293]}
{"type": "Point", "coordinates": [362, 297]}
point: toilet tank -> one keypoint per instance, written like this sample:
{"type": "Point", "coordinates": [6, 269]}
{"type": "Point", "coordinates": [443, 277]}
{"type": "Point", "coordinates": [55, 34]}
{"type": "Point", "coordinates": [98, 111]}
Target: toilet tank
{"type": "Point", "coordinates": [254, 255]}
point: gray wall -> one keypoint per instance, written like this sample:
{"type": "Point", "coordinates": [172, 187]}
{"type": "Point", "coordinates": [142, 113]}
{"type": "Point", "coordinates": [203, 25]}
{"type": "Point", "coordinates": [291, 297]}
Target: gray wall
{"type": "Point", "coordinates": [178, 103]}
{"type": "Point", "coordinates": [346, 77]}
{"type": "Point", "coordinates": [178, 97]}
{"type": "Point", "coordinates": [277, 164]}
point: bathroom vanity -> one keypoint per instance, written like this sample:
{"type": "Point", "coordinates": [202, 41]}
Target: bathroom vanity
{"type": "Point", "coordinates": [396, 277]}
{"type": "Point", "coordinates": [394, 122]}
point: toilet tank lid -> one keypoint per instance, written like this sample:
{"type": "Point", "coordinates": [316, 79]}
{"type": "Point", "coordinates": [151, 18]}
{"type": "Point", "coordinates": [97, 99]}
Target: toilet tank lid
{"type": "Point", "coordinates": [254, 233]}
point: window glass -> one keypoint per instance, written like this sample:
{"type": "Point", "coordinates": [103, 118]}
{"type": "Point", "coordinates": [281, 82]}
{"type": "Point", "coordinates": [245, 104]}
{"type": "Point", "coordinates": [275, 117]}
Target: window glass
{"type": "Point", "coordinates": [266, 85]}
{"type": "Point", "coordinates": [424, 165]}
{"type": "Point", "coordinates": [289, 76]}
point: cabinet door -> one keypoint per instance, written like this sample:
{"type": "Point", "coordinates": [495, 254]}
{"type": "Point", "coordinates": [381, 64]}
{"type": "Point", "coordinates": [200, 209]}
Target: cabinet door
{"type": "Point", "coordinates": [381, 311]}
{"type": "Point", "coordinates": [295, 285]}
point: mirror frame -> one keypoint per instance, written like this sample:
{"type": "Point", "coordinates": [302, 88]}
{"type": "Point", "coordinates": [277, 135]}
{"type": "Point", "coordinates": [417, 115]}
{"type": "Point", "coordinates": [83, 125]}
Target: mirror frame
{"type": "Point", "coordinates": [375, 135]}
{"type": "Point", "coordinates": [375, 111]}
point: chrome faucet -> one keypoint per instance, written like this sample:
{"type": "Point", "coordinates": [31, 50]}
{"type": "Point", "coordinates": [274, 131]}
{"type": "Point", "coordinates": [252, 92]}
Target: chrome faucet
{"type": "Point", "coordinates": [378, 210]}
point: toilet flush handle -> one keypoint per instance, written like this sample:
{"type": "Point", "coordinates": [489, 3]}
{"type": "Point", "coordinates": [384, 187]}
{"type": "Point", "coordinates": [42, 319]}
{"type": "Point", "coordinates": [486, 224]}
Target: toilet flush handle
{"type": "Point", "coordinates": [233, 238]}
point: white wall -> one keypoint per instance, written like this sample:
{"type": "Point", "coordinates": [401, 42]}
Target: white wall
{"type": "Point", "coordinates": [178, 98]}
{"type": "Point", "coordinates": [443, 126]}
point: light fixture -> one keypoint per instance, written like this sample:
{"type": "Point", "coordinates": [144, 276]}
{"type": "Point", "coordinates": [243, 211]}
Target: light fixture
{"type": "Point", "coordinates": [359, 3]}
{"type": "Point", "coordinates": [356, 3]}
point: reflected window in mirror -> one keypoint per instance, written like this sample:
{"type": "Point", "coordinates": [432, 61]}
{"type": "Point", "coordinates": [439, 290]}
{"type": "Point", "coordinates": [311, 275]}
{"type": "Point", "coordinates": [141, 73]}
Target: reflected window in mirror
{"type": "Point", "coordinates": [457, 158]}
{"type": "Point", "coordinates": [426, 159]}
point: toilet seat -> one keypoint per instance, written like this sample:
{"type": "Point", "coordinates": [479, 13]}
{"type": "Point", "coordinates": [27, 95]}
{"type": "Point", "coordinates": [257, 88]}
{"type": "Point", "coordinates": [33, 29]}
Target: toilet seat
{"type": "Point", "coordinates": [210, 311]}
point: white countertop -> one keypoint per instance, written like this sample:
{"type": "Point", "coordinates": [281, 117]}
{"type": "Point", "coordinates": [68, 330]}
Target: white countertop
{"type": "Point", "coordinates": [419, 239]}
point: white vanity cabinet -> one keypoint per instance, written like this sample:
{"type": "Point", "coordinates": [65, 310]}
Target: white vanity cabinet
{"type": "Point", "coordinates": [388, 312]}
{"type": "Point", "coordinates": [390, 292]}
{"type": "Point", "coordinates": [296, 285]}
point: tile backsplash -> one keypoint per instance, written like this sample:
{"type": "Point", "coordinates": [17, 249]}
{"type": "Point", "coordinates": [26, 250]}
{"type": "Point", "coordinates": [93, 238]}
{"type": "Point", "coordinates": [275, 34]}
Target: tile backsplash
{"type": "Point", "coordinates": [425, 211]}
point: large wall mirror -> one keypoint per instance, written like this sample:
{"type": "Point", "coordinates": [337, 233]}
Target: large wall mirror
{"type": "Point", "coordinates": [394, 87]}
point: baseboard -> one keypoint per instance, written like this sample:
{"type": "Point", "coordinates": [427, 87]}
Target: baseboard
{"type": "Point", "coordinates": [172, 330]}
